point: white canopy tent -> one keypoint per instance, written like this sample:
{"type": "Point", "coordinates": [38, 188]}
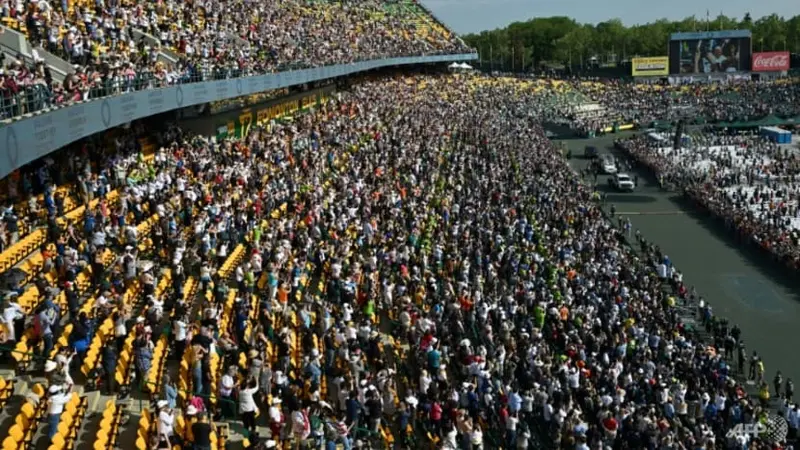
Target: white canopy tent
{"type": "Point", "coordinates": [459, 67]}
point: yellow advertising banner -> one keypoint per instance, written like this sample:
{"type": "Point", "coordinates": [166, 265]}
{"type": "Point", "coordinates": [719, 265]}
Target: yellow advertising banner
{"type": "Point", "coordinates": [287, 108]}
{"type": "Point", "coordinates": [649, 67]}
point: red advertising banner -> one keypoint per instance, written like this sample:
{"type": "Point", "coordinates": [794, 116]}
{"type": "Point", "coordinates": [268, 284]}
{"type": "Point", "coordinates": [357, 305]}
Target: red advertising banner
{"type": "Point", "coordinates": [770, 62]}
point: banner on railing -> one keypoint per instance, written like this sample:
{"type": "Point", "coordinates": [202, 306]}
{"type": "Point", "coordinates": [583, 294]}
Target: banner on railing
{"type": "Point", "coordinates": [244, 101]}
{"type": "Point", "coordinates": [239, 127]}
{"type": "Point", "coordinates": [27, 138]}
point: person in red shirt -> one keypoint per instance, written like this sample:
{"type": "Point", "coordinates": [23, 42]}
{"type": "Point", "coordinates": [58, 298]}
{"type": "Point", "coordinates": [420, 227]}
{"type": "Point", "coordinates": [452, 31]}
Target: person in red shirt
{"type": "Point", "coordinates": [610, 427]}
{"type": "Point", "coordinates": [436, 417]}
{"type": "Point", "coordinates": [503, 413]}
{"type": "Point", "coordinates": [426, 341]}
{"type": "Point", "coordinates": [466, 303]}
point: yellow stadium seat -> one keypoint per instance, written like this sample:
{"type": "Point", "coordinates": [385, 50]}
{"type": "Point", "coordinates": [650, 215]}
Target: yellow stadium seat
{"type": "Point", "coordinates": [101, 440]}
{"type": "Point", "coordinates": [38, 389]}
{"type": "Point", "coordinates": [58, 442]}
{"type": "Point", "coordinates": [22, 421]}
{"type": "Point", "coordinates": [64, 427]}
{"type": "Point", "coordinates": [28, 411]}
{"type": "Point", "coordinates": [17, 433]}
{"type": "Point", "coordinates": [9, 443]}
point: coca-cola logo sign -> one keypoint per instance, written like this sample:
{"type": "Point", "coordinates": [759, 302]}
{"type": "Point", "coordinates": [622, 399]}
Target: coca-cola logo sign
{"type": "Point", "coordinates": [771, 62]}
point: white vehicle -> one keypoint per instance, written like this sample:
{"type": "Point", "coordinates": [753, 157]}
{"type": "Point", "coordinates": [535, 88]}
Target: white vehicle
{"type": "Point", "coordinates": [622, 182]}
{"type": "Point", "coordinates": [608, 164]}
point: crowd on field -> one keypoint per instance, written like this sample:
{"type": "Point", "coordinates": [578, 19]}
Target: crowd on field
{"type": "Point", "coordinates": [752, 183]}
{"type": "Point", "coordinates": [624, 102]}
{"type": "Point", "coordinates": [412, 262]}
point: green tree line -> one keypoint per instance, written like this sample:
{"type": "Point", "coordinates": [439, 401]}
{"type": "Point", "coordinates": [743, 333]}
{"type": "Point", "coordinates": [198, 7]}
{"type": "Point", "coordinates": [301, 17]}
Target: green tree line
{"type": "Point", "coordinates": [562, 40]}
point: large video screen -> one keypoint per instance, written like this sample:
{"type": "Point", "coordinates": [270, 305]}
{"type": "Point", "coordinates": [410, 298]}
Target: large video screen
{"type": "Point", "coordinates": [716, 53]}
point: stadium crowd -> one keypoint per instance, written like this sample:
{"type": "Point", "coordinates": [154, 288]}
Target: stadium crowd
{"type": "Point", "coordinates": [406, 262]}
{"type": "Point", "coordinates": [745, 179]}
{"type": "Point", "coordinates": [643, 104]}
{"type": "Point", "coordinates": [124, 46]}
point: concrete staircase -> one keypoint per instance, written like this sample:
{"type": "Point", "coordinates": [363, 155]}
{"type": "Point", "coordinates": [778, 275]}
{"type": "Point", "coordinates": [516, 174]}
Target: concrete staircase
{"type": "Point", "coordinates": [14, 43]}
{"type": "Point", "coordinates": [165, 55]}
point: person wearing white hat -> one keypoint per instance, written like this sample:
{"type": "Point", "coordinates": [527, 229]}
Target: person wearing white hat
{"type": "Point", "coordinates": [166, 420]}
{"type": "Point", "coordinates": [58, 397]}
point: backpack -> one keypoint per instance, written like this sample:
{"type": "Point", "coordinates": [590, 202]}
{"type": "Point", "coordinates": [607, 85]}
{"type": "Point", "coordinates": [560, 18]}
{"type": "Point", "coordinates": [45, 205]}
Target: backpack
{"type": "Point", "coordinates": [38, 326]}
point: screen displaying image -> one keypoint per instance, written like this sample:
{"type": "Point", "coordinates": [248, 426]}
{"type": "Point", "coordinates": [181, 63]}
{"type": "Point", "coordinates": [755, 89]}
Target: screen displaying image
{"type": "Point", "coordinates": [714, 55]}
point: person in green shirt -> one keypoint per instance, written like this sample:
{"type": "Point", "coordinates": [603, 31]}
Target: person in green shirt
{"type": "Point", "coordinates": [249, 280]}
{"type": "Point", "coordinates": [369, 308]}
{"type": "Point", "coordinates": [257, 235]}
{"type": "Point", "coordinates": [539, 316]}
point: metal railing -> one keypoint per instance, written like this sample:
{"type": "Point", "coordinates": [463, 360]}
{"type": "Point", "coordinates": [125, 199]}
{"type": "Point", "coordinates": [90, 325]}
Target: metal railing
{"type": "Point", "coordinates": [34, 98]}
{"type": "Point", "coordinates": [37, 97]}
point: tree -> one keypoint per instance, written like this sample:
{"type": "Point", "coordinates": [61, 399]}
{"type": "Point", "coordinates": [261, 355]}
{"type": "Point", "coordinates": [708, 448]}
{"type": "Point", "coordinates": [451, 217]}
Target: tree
{"type": "Point", "coordinates": [769, 33]}
{"type": "Point", "coordinates": [793, 34]}
{"type": "Point", "coordinates": [747, 22]}
{"type": "Point", "coordinates": [563, 40]}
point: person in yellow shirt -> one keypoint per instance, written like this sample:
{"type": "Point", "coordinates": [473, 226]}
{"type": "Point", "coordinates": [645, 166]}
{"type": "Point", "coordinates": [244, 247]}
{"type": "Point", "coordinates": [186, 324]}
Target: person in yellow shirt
{"type": "Point", "coordinates": [763, 394]}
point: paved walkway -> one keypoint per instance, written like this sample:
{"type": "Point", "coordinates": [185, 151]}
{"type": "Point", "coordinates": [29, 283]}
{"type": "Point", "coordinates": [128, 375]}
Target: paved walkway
{"type": "Point", "coordinates": [741, 284]}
